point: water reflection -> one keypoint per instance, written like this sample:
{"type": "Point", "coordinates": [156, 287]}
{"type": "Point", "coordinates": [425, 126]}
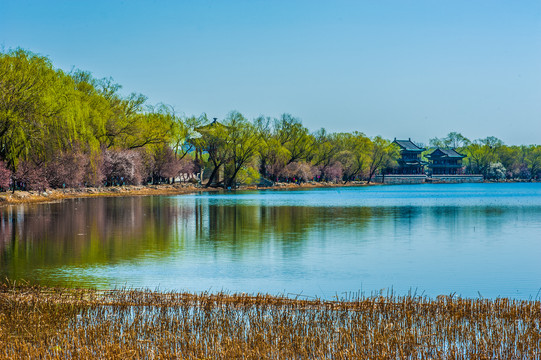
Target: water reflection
{"type": "Point", "coordinates": [284, 241]}
{"type": "Point", "coordinates": [247, 225]}
{"type": "Point", "coordinates": [85, 232]}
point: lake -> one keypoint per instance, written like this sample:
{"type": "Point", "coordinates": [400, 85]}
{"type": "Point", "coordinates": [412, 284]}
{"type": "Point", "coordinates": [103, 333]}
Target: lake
{"type": "Point", "coordinates": [474, 240]}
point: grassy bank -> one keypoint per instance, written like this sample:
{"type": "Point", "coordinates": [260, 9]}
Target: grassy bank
{"type": "Point", "coordinates": [37, 322]}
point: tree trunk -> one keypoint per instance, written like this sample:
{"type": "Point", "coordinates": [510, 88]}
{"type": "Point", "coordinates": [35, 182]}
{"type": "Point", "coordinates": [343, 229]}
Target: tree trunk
{"type": "Point", "coordinates": [232, 178]}
{"type": "Point", "coordinates": [212, 175]}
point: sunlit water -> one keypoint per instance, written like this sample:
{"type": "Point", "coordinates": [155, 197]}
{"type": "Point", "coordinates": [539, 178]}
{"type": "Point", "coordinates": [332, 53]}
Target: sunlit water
{"type": "Point", "coordinates": [469, 239]}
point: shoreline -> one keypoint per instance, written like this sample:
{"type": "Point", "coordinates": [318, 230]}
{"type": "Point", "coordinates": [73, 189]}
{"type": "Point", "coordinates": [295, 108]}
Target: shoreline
{"type": "Point", "coordinates": [53, 195]}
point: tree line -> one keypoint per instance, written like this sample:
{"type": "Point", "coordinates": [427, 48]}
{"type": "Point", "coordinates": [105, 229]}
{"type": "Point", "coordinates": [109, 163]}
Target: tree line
{"type": "Point", "coordinates": [493, 159]}
{"type": "Point", "coordinates": [60, 129]}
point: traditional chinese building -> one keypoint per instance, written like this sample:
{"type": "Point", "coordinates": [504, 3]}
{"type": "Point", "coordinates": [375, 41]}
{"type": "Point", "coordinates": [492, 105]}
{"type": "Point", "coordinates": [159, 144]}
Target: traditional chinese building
{"type": "Point", "coordinates": [445, 162]}
{"type": "Point", "coordinates": [410, 162]}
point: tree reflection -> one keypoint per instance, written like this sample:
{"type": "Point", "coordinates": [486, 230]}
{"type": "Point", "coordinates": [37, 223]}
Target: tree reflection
{"type": "Point", "coordinates": [39, 242]}
{"type": "Point", "coordinates": [85, 232]}
{"type": "Point", "coordinates": [247, 226]}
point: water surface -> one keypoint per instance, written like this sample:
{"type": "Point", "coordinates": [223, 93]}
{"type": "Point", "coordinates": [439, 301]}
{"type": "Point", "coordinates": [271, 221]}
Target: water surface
{"type": "Point", "coordinates": [469, 239]}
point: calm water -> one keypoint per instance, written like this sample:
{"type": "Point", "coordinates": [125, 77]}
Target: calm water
{"type": "Point", "coordinates": [470, 239]}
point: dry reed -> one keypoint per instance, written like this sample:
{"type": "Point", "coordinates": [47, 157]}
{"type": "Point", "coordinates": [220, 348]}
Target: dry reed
{"type": "Point", "coordinates": [49, 323]}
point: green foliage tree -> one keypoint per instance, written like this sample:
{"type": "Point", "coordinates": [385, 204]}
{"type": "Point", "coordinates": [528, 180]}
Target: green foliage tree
{"type": "Point", "coordinates": [45, 112]}
{"type": "Point", "coordinates": [511, 158]}
{"type": "Point", "coordinates": [73, 129]}
{"type": "Point", "coordinates": [453, 140]}
{"type": "Point", "coordinates": [294, 137]}
{"type": "Point", "coordinates": [354, 154]}
{"type": "Point", "coordinates": [481, 153]}
{"type": "Point", "coordinates": [533, 160]}
{"type": "Point", "coordinates": [244, 142]}
{"type": "Point", "coordinates": [273, 155]}
{"type": "Point", "coordinates": [325, 150]}
{"type": "Point", "coordinates": [183, 134]}
{"type": "Point", "coordinates": [32, 98]}
{"type": "Point", "coordinates": [215, 141]}
{"type": "Point", "coordinates": [381, 154]}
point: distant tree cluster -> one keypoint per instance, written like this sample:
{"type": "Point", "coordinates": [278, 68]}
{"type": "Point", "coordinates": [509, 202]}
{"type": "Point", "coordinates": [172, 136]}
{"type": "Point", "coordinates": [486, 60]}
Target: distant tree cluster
{"type": "Point", "coordinates": [493, 159]}
{"type": "Point", "coordinates": [62, 129]}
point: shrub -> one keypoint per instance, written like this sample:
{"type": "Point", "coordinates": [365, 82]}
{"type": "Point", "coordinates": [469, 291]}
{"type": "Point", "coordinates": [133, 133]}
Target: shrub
{"type": "Point", "coordinates": [5, 177]}
{"type": "Point", "coordinates": [94, 171]}
{"type": "Point", "coordinates": [187, 166]}
{"type": "Point", "coordinates": [30, 177]}
{"type": "Point", "coordinates": [147, 165]}
{"type": "Point", "coordinates": [166, 165]}
{"type": "Point", "coordinates": [67, 169]}
{"type": "Point", "coordinates": [275, 168]}
{"type": "Point", "coordinates": [122, 167]}
{"type": "Point", "coordinates": [523, 172]}
{"type": "Point", "coordinates": [496, 171]}
{"type": "Point", "coordinates": [333, 172]}
{"type": "Point", "coordinates": [163, 164]}
{"type": "Point", "coordinates": [300, 170]}
{"type": "Point", "coordinates": [248, 176]}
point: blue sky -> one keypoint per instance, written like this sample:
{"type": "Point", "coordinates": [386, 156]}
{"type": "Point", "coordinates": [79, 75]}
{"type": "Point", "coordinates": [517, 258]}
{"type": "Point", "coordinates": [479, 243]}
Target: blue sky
{"type": "Point", "coordinates": [402, 69]}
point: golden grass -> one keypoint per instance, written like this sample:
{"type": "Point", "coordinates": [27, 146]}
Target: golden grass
{"type": "Point", "coordinates": [47, 323]}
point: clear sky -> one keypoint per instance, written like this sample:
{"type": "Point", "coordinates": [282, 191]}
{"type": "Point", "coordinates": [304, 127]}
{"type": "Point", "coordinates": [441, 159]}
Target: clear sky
{"type": "Point", "coordinates": [401, 69]}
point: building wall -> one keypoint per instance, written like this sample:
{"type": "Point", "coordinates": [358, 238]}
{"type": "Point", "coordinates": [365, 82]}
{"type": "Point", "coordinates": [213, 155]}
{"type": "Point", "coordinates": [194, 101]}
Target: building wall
{"type": "Point", "coordinates": [445, 171]}
{"type": "Point", "coordinates": [420, 179]}
{"type": "Point", "coordinates": [408, 170]}
{"type": "Point", "coordinates": [400, 179]}
{"type": "Point", "coordinates": [457, 178]}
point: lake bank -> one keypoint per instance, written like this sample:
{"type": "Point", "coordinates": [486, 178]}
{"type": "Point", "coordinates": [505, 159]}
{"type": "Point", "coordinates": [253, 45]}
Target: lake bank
{"type": "Point", "coordinates": [25, 197]}
{"type": "Point", "coordinates": [40, 322]}
{"type": "Point", "coordinates": [50, 195]}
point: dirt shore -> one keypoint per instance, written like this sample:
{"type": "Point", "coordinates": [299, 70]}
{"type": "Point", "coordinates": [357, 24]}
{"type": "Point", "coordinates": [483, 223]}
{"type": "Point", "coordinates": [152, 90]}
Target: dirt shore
{"type": "Point", "coordinates": [22, 197]}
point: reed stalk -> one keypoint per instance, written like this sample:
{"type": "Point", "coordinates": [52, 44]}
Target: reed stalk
{"type": "Point", "coordinates": [50, 323]}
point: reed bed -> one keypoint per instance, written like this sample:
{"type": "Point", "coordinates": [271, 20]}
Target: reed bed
{"type": "Point", "coordinates": [50, 323]}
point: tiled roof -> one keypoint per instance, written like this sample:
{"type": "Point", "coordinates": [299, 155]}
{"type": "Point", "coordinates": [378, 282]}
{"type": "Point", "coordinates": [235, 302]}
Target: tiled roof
{"type": "Point", "coordinates": [449, 153]}
{"type": "Point", "coordinates": [407, 145]}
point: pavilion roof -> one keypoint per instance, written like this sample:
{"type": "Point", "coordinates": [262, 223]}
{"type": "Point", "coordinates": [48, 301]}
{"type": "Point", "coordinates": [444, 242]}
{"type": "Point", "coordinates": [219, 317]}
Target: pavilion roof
{"type": "Point", "coordinates": [446, 153]}
{"type": "Point", "coordinates": [408, 145]}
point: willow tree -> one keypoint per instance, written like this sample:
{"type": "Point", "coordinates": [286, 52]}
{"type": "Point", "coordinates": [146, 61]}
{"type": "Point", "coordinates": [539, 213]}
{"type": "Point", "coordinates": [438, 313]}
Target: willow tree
{"type": "Point", "coordinates": [381, 154]}
{"type": "Point", "coordinates": [533, 160]}
{"type": "Point", "coordinates": [354, 155]}
{"type": "Point", "coordinates": [294, 137]}
{"type": "Point", "coordinates": [326, 148]}
{"type": "Point", "coordinates": [481, 153]}
{"type": "Point", "coordinates": [32, 97]}
{"type": "Point", "coordinates": [215, 142]}
{"type": "Point", "coordinates": [244, 142]}
{"type": "Point", "coordinates": [130, 122]}
{"type": "Point", "coordinates": [453, 140]}
{"type": "Point", "coordinates": [273, 156]}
